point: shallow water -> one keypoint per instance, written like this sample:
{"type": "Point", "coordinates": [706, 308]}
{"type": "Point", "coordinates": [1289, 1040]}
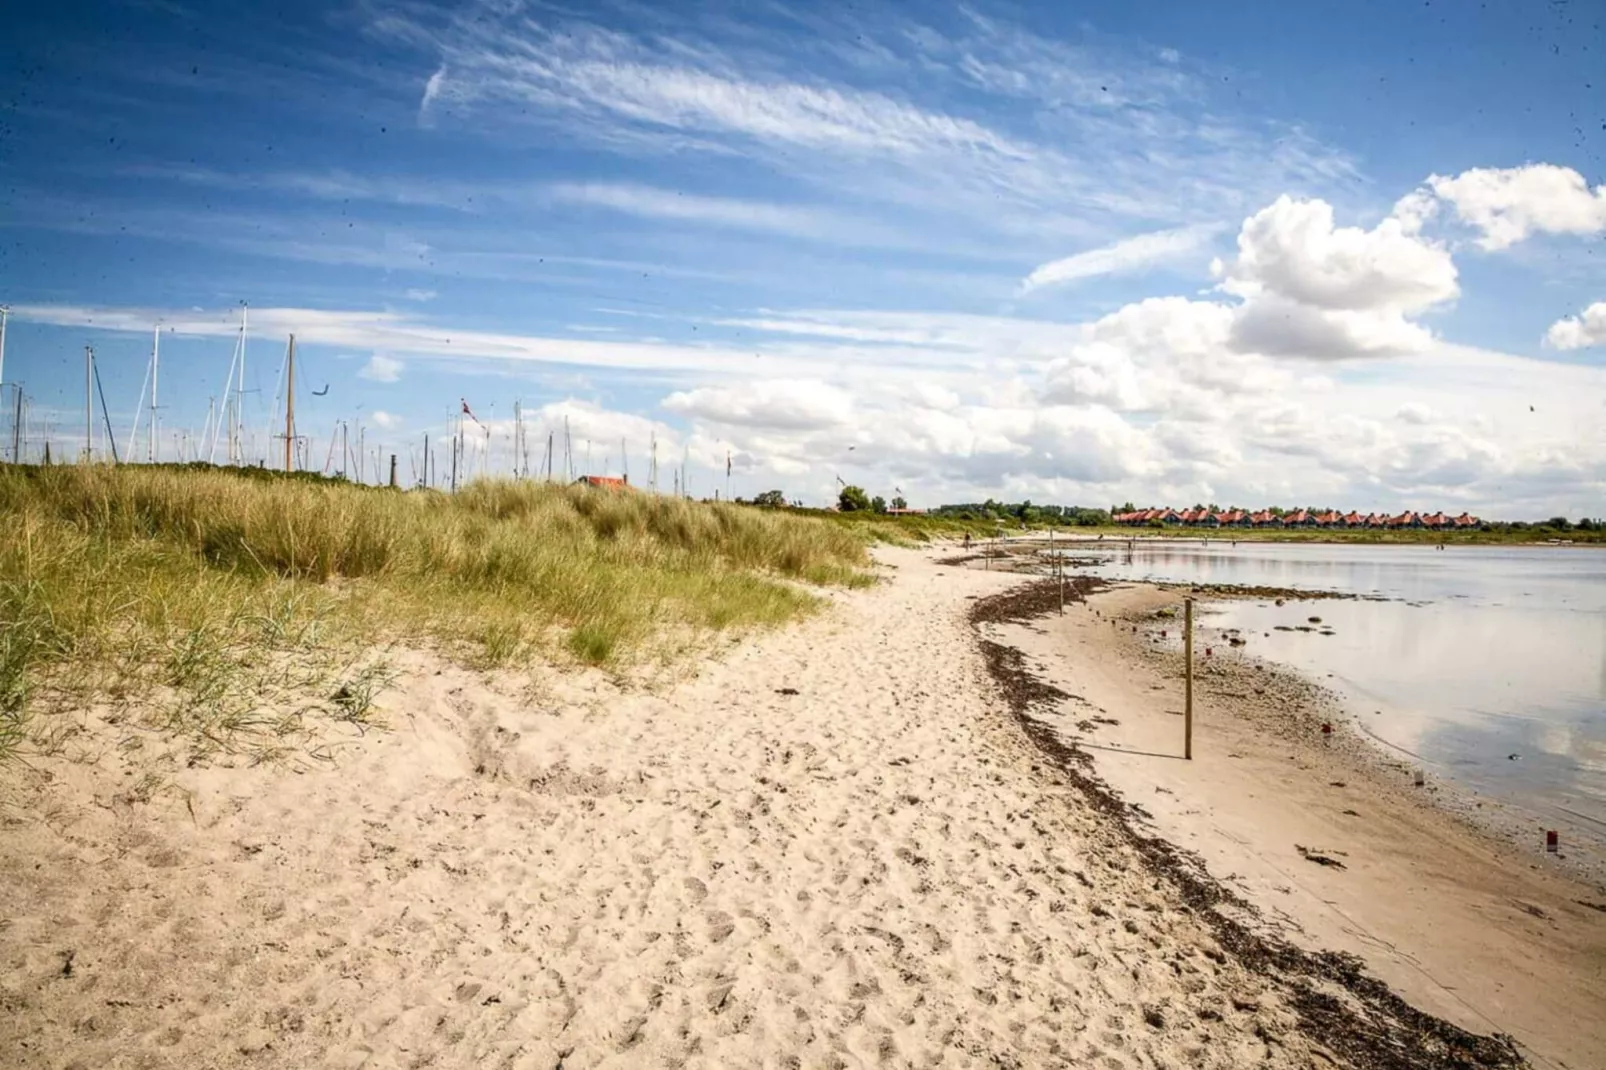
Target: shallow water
{"type": "Point", "coordinates": [1486, 665]}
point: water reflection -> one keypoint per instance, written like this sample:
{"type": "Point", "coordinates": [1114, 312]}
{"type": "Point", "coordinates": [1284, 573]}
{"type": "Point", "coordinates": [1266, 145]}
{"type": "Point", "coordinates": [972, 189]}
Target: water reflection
{"type": "Point", "coordinates": [1488, 664]}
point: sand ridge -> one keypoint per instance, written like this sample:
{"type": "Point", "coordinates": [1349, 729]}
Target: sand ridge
{"type": "Point", "coordinates": [877, 870]}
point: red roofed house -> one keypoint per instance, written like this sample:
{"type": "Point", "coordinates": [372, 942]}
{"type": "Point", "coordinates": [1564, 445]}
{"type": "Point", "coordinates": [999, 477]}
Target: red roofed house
{"type": "Point", "coordinates": [1465, 522]}
{"type": "Point", "coordinates": [1266, 519]}
{"type": "Point", "coordinates": [1330, 519]}
{"type": "Point", "coordinates": [604, 482]}
{"type": "Point", "coordinates": [1299, 519]}
{"type": "Point", "coordinates": [1354, 520]}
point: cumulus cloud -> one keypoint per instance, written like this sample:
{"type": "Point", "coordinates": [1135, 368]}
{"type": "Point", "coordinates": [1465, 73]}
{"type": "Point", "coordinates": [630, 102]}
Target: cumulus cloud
{"type": "Point", "coordinates": [790, 404]}
{"type": "Point", "coordinates": [421, 295]}
{"type": "Point", "coordinates": [382, 369]}
{"type": "Point", "coordinates": [384, 419]}
{"type": "Point", "coordinates": [1588, 328]}
{"type": "Point", "coordinates": [1414, 412]}
{"type": "Point", "coordinates": [1508, 204]}
{"type": "Point", "coordinates": [1315, 289]}
{"type": "Point", "coordinates": [1126, 255]}
{"type": "Point", "coordinates": [1292, 248]}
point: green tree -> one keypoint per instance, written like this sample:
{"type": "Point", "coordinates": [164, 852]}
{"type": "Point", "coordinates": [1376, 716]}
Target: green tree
{"type": "Point", "coordinates": [878, 504]}
{"type": "Point", "coordinates": [853, 500]}
{"type": "Point", "coordinates": [1559, 523]}
{"type": "Point", "coordinates": [899, 503]}
{"type": "Point", "coordinates": [771, 498]}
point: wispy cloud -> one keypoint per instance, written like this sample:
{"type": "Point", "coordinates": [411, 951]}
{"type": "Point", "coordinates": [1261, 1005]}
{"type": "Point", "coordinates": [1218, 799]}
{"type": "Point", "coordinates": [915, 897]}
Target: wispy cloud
{"type": "Point", "coordinates": [650, 203]}
{"type": "Point", "coordinates": [1047, 128]}
{"type": "Point", "coordinates": [1128, 254]}
{"type": "Point", "coordinates": [382, 369]}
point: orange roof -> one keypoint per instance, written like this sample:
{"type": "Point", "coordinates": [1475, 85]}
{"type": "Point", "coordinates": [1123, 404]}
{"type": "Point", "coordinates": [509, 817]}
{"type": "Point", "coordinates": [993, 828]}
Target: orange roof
{"type": "Point", "coordinates": [604, 482]}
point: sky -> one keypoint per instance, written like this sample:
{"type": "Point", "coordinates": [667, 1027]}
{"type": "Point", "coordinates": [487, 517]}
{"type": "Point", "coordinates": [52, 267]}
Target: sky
{"type": "Point", "coordinates": [1248, 253]}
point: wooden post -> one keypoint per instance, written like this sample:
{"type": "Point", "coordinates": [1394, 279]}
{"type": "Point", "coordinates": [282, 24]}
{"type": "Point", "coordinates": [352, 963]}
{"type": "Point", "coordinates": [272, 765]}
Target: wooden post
{"type": "Point", "coordinates": [1059, 570]}
{"type": "Point", "coordinates": [393, 470]}
{"type": "Point", "coordinates": [1187, 658]}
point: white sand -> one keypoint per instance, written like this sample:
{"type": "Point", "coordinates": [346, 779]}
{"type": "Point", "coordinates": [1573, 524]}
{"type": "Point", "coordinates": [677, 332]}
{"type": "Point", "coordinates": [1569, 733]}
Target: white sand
{"type": "Point", "coordinates": [877, 870]}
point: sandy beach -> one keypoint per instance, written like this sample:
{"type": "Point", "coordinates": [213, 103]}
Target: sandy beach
{"type": "Point", "coordinates": [829, 845]}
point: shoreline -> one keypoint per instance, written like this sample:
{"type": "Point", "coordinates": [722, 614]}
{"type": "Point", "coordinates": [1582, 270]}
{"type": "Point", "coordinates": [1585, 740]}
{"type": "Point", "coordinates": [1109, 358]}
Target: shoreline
{"type": "Point", "coordinates": [1323, 833]}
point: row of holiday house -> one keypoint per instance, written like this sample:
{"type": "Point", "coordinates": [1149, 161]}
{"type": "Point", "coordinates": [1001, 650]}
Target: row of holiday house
{"type": "Point", "coordinates": [1303, 518]}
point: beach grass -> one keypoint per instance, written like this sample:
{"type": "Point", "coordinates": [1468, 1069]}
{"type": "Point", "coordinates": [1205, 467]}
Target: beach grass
{"type": "Point", "coordinates": [205, 585]}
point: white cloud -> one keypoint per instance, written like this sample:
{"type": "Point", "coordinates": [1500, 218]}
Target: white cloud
{"type": "Point", "coordinates": [653, 203]}
{"type": "Point", "coordinates": [383, 419]}
{"type": "Point", "coordinates": [1588, 328]}
{"type": "Point", "coordinates": [1414, 412]}
{"type": "Point", "coordinates": [1292, 248]}
{"type": "Point", "coordinates": [1125, 132]}
{"type": "Point", "coordinates": [1126, 255]}
{"type": "Point", "coordinates": [1155, 400]}
{"type": "Point", "coordinates": [382, 369]}
{"type": "Point", "coordinates": [432, 90]}
{"type": "Point", "coordinates": [396, 332]}
{"type": "Point", "coordinates": [1509, 204]}
{"type": "Point", "coordinates": [1317, 290]}
{"type": "Point", "coordinates": [421, 295]}
{"type": "Point", "coordinates": [795, 405]}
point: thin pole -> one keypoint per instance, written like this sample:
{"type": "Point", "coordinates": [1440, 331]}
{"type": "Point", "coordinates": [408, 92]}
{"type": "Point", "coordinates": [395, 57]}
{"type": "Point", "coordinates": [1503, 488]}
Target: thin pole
{"type": "Point", "coordinates": [5, 311]}
{"type": "Point", "coordinates": [1187, 660]}
{"type": "Point", "coordinates": [290, 405]}
{"type": "Point", "coordinates": [89, 405]}
{"type": "Point", "coordinates": [1059, 570]}
{"type": "Point", "coordinates": [239, 388]}
{"type": "Point", "coordinates": [426, 459]}
{"type": "Point", "coordinates": [16, 431]}
{"type": "Point", "coordinates": [393, 470]}
{"type": "Point", "coordinates": [154, 448]}
{"type": "Point", "coordinates": [105, 414]}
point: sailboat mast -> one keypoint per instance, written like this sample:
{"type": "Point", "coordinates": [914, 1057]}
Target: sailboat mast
{"type": "Point", "coordinates": [89, 405]}
{"type": "Point", "coordinates": [239, 389]}
{"type": "Point", "coordinates": [290, 405]}
{"type": "Point", "coordinates": [156, 351]}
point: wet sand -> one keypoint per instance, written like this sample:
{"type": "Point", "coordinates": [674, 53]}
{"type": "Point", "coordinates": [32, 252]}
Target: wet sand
{"type": "Point", "coordinates": [836, 844]}
{"type": "Point", "coordinates": [1326, 834]}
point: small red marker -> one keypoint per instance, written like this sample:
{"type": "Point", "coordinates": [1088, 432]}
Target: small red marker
{"type": "Point", "coordinates": [1552, 841]}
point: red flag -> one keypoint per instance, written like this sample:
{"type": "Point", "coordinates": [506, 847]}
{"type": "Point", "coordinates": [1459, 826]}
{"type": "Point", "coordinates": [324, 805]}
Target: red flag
{"type": "Point", "coordinates": [470, 414]}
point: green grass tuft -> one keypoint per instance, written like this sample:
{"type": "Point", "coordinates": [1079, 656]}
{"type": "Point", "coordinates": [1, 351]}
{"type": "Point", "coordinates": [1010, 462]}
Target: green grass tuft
{"type": "Point", "coordinates": [200, 583]}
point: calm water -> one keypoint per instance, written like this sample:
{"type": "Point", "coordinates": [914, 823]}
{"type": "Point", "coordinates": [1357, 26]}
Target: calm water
{"type": "Point", "coordinates": [1486, 664]}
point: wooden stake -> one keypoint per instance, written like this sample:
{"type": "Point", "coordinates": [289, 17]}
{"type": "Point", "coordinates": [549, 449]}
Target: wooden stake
{"type": "Point", "coordinates": [1187, 660]}
{"type": "Point", "coordinates": [393, 470]}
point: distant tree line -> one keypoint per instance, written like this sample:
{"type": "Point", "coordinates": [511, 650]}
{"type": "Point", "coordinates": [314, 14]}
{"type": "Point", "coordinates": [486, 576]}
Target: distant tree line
{"type": "Point", "coordinates": [1026, 512]}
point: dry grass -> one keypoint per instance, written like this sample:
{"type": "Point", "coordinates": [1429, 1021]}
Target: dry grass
{"type": "Point", "coordinates": [230, 594]}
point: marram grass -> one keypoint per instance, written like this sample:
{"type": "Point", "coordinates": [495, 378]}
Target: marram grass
{"type": "Point", "coordinates": [120, 580]}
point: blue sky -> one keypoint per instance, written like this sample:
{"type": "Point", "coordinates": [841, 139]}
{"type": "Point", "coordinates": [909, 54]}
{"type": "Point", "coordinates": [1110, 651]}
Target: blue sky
{"type": "Point", "coordinates": [1251, 253]}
